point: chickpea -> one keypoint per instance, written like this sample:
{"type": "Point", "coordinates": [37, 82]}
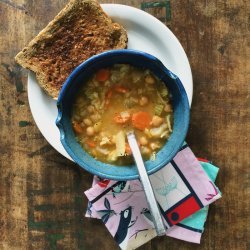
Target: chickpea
{"type": "Point", "coordinates": [154, 145]}
{"type": "Point", "coordinates": [90, 131]}
{"type": "Point", "coordinates": [145, 150]}
{"type": "Point", "coordinates": [143, 101]}
{"type": "Point", "coordinates": [91, 109]}
{"type": "Point", "coordinates": [87, 121]}
{"type": "Point", "coordinates": [95, 117]}
{"type": "Point", "coordinates": [156, 121]}
{"type": "Point", "coordinates": [143, 141]}
{"type": "Point", "coordinates": [168, 108]}
{"type": "Point", "coordinates": [149, 79]}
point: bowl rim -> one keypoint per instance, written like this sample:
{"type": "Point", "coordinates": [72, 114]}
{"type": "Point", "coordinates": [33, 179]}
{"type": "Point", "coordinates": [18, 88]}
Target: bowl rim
{"type": "Point", "coordinates": [86, 64]}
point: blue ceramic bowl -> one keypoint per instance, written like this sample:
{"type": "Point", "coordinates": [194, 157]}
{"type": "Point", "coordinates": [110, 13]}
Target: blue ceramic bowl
{"type": "Point", "coordinates": [82, 73]}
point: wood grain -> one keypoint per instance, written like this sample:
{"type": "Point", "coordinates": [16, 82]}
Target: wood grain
{"type": "Point", "coordinates": [41, 193]}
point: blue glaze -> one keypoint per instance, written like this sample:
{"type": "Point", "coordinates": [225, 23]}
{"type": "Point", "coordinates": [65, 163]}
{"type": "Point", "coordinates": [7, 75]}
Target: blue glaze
{"type": "Point", "coordinates": [82, 73]}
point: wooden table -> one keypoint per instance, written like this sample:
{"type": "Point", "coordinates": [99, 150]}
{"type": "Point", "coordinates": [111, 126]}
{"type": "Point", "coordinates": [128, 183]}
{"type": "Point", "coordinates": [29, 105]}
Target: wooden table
{"type": "Point", "coordinates": [42, 204]}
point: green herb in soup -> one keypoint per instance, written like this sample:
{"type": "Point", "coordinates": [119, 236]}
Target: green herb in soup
{"type": "Point", "coordinates": [116, 100]}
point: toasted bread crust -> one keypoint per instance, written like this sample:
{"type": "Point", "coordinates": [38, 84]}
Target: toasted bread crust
{"type": "Point", "coordinates": [80, 30]}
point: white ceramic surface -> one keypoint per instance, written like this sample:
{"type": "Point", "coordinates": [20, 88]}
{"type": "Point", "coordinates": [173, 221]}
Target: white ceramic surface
{"type": "Point", "coordinates": [145, 33]}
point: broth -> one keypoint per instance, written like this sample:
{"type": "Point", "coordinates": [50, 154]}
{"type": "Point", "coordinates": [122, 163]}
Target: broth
{"type": "Point", "coordinates": [116, 100]}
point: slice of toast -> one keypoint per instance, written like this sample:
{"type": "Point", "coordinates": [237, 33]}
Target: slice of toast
{"type": "Point", "coordinates": [80, 30]}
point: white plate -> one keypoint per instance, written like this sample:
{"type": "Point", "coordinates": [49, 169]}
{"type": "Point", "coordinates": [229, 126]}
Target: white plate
{"type": "Point", "coordinates": [145, 33]}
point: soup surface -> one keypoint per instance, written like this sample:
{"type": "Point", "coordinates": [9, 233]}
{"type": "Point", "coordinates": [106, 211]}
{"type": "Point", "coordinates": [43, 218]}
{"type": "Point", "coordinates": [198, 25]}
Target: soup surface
{"type": "Point", "coordinates": [116, 100]}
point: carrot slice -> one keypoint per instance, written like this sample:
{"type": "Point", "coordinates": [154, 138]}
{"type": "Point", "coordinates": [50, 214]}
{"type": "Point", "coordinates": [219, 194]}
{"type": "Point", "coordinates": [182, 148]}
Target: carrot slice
{"type": "Point", "coordinates": [77, 128]}
{"type": "Point", "coordinates": [141, 120]}
{"type": "Point", "coordinates": [91, 144]}
{"type": "Point", "coordinates": [121, 89]}
{"type": "Point", "coordinates": [127, 149]}
{"type": "Point", "coordinates": [102, 75]}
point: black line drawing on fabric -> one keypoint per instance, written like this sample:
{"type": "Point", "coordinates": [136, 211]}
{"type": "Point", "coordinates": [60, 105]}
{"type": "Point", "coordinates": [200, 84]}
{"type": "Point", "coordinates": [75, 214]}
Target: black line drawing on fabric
{"type": "Point", "coordinates": [106, 213]}
{"type": "Point", "coordinates": [147, 216]}
{"type": "Point", "coordinates": [125, 223]}
{"type": "Point", "coordinates": [167, 187]}
{"type": "Point", "coordinates": [118, 189]}
{"type": "Point", "coordinates": [124, 199]}
{"type": "Point", "coordinates": [138, 231]}
{"type": "Point", "coordinates": [211, 196]}
{"type": "Point", "coordinates": [89, 210]}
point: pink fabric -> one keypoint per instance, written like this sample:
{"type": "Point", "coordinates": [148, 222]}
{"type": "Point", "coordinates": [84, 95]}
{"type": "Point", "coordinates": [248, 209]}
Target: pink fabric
{"type": "Point", "coordinates": [123, 208]}
{"type": "Point", "coordinates": [197, 177]}
{"type": "Point", "coordinates": [184, 234]}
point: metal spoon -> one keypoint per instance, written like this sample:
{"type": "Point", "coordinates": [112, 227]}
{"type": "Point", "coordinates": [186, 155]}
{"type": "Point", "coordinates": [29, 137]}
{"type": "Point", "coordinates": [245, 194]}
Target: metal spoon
{"type": "Point", "coordinates": [154, 209]}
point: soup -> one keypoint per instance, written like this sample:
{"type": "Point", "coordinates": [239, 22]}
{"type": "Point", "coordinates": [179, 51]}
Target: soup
{"type": "Point", "coordinates": [116, 100]}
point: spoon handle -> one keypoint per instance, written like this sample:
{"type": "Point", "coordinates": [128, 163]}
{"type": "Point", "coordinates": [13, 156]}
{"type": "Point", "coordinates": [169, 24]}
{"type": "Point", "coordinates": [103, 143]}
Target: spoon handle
{"type": "Point", "coordinates": [154, 209]}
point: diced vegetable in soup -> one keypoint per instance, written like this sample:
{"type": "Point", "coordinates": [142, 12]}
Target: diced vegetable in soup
{"type": "Point", "coordinates": [116, 100]}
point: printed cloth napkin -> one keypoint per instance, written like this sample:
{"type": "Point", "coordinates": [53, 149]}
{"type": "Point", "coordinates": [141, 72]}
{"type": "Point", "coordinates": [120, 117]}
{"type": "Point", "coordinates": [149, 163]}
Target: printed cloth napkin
{"type": "Point", "coordinates": [184, 188]}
